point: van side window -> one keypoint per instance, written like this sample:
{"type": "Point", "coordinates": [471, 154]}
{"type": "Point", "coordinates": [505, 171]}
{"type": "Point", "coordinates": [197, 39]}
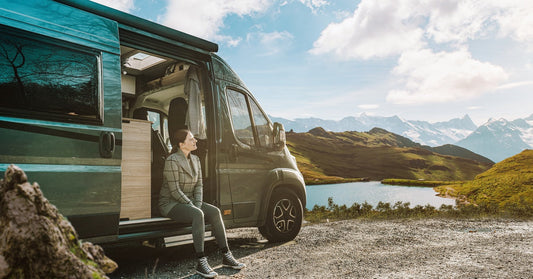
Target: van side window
{"type": "Point", "coordinates": [264, 128]}
{"type": "Point", "coordinates": [48, 80]}
{"type": "Point", "coordinates": [242, 122]}
{"type": "Point", "coordinates": [160, 124]}
{"type": "Point", "coordinates": [240, 117]}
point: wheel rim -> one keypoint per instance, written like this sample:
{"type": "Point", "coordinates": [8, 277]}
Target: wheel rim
{"type": "Point", "coordinates": [284, 216]}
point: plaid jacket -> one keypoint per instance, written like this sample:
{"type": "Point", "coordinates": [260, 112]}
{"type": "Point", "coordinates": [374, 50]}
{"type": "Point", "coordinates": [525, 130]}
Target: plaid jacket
{"type": "Point", "coordinates": [182, 182]}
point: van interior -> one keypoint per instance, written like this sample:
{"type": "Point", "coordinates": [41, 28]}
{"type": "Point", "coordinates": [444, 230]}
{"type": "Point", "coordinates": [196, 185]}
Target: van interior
{"type": "Point", "coordinates": [159, 96]}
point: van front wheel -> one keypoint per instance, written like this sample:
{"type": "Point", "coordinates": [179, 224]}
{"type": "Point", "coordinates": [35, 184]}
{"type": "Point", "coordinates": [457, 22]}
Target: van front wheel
{"type": "Point", "coordinates": [284, 217]}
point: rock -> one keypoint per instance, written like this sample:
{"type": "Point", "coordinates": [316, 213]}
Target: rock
{"type": "Point", "coordinates": [36, 241]}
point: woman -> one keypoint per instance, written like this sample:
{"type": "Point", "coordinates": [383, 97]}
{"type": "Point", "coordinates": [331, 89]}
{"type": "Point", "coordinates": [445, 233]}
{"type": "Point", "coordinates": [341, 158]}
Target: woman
{"type": "Point", "coordinates": [181, 200]}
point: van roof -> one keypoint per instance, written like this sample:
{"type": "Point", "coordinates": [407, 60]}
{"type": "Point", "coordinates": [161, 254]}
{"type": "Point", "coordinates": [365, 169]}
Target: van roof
{"type": "Point", "coordinates": [140, 23]}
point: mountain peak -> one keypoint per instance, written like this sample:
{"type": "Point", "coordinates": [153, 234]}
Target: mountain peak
{"type": "Point", "coordinates": [319, 131]}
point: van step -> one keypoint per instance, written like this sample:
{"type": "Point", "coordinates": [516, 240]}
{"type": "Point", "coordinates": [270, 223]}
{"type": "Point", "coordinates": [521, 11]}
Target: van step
{"type": "Point", "coordinates": [184, 239]}
{"type": "Point", "coordinates": [146, 225]}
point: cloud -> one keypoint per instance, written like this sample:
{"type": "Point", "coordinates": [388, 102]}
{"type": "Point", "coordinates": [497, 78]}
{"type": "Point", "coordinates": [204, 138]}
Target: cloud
{"type": "Point", "coordinates": [428, 77]}
{"type": "Point", "coordinates": [205, 18]}
{"type": "Point", "coordinates": [376, 29]}
{"type": "Point", "coordinates": [515, 20]}
{"type": "Point", "coordinates": [379, 29]}
{"type": "Point", "coordinates": [457, 21]}
{"type": "Point", "coordinates": [123, 5]}
{"type": "Point", "coordinates": [270, 43]}
{"type": "Point", "coordinates": [515, 84]}
{"type": "Point", "coordinates": [314, 4]}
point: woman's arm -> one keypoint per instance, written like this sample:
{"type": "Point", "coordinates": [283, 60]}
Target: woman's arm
{"type": "Point", "coordinates": [199, 187]}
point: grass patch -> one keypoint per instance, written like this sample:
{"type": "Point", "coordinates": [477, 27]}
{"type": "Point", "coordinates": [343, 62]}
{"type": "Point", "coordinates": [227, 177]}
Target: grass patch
{"type": "Point", "coordinates": [385, 210]}
{"type": "Point", "coordinates": [508, 184]}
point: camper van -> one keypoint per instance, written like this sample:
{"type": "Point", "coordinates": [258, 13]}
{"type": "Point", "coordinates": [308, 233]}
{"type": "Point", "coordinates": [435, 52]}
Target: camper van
{"type": "Point", "coordinates": [88, 98]}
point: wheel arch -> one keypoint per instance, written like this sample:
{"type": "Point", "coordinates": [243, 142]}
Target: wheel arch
{"type": "Point", "coordinates": [289, 179]}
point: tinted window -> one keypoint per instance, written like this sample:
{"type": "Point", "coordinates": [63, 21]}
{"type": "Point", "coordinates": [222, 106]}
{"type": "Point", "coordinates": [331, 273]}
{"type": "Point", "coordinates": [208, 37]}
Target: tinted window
{"type": "Point", "coordinates": [240, 117]}
{"type": "Point", "coordinates": [42, 79]}
{"type": "Point", "coordinates": [264, 129]}
{"type": "Point", "coordinates": [160, 124]}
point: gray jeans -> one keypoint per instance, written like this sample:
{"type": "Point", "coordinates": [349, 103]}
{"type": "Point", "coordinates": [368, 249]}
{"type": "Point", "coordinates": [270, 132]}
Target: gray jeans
{"type": "Point", "coordinates": [186, 213]}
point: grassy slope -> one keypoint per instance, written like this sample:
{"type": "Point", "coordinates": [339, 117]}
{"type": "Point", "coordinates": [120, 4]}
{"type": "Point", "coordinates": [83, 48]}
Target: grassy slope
{"type": "Point", "coordinates": [375, 155]}
{"type": "Point", "coordinates": [509, 182]}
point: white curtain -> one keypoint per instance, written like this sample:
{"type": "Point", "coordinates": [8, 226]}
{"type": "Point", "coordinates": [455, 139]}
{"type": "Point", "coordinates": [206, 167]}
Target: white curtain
{"type": "Point", "coordinates": [195, 114]}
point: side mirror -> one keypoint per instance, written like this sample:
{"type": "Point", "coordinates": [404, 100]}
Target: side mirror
{"type": "Point", "coordinates": [279, 136]}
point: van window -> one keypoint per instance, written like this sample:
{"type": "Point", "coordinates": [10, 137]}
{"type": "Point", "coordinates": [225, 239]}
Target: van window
{"type": "Point", "coordinates": [48, 80]}
{"type": "Point", "coordinates": [160, 124]}
{"type": "Point", "coordinates": [242, 122]}
{"type": "Point", "coordinates": [240, 117]}
{"type": "Point", "coordinates": [264, 128]}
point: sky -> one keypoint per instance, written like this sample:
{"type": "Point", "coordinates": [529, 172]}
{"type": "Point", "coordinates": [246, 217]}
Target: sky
{"type": "Point", "coordinates": [426, 60]}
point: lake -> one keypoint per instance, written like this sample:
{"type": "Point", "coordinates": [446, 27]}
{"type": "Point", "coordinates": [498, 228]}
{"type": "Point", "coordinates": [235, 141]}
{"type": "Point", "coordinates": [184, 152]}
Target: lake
{"type": "Point", "coordinates": [372, 192]}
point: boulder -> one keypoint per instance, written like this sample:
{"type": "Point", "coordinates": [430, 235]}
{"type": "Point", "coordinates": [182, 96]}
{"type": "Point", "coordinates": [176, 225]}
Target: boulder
{"type": "Point", "coordinates": [36, 241]}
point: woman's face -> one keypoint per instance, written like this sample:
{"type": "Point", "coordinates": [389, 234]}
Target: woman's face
{"type": "Point", "coordinates": [189, 144]}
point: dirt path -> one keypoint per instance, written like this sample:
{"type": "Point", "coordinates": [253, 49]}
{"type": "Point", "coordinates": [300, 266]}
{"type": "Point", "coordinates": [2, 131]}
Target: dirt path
{"type": "Point", "coordinates": [429, 248]}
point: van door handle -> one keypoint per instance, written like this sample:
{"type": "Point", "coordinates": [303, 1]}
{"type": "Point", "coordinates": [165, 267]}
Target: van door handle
{"type": "Point", "coordinates": [107, 144]}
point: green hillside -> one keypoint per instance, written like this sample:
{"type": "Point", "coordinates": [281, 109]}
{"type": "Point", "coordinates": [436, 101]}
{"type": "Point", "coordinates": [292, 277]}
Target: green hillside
{"type": "Point", "coordinates": [507, 183]}
{"type": "Point", "coordinates": [374, 155]}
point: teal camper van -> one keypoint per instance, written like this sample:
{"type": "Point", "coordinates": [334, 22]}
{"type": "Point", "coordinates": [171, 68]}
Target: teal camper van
{"type": "Point", "coordinates": [88, 98]}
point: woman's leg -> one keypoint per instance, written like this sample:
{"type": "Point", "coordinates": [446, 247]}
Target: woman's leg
{"type": "Point", "coordinates": [185, 213]}
{"type": "Point", "coordinates": [213, 216]}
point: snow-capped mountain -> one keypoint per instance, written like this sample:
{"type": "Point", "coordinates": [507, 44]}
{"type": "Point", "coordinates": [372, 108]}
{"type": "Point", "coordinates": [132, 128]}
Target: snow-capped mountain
{"type": "Point", "coordinates": [499, 139]}
{"type": "Point", "coordinates": [423, 132]}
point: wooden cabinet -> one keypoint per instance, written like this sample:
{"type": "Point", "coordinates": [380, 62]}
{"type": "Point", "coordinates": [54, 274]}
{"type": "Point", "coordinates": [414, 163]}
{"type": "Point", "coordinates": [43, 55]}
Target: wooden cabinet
{"type": "Point", "coordinates": [136, 160]}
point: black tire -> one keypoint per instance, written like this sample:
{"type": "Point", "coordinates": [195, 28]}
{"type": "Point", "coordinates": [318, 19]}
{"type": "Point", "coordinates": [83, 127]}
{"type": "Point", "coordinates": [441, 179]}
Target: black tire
{"type": "Point", "coordinates": [284, 216]}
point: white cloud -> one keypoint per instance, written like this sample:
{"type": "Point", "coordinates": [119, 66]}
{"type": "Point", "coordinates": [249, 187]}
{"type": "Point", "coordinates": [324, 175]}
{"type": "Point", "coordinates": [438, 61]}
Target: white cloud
{"type": "Point", "coordinates": [515, 19]}
{"type": "Point", "coordinates": [390, 27]}
{"type": "Point", "coordinates": [314, 4]}
{"type": "Point", "coordinates": [457, 21]}
{"type": "Point", "coordinates": [205, 18]}
{"type": "Point", "coordinates": [123, 5]}
{"type": "Point", "coordinates": [269, 43]}
{"type": "Point", "coordinates": [515, 84]}
{"type": "Point", "coordinates": [428, 77]}
{"type": "Point", "coordinates": [376, 29]}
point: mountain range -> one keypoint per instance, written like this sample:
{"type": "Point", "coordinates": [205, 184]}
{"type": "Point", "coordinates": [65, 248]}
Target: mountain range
{"type": "Point", "coordinates": [495, 139]}
{"type": "Point", "coordinates": [379, 154]}
{"type": "Point", "coordinates": [499, 139]}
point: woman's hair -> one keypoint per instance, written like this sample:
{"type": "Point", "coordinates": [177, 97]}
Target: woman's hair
{"type": "Point", "coordinates": [178, 137]}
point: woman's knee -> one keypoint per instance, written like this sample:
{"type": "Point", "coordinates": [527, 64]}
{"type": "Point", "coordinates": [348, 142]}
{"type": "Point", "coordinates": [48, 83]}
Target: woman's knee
{"type": "Point", "coordinates": [197, 215]}
{"type": "Point", "coordinates": [212, 213]}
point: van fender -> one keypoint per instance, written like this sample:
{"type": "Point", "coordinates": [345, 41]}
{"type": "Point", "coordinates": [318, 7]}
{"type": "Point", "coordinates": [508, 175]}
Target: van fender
{"type": "Point", "coordinates": [282, 178]}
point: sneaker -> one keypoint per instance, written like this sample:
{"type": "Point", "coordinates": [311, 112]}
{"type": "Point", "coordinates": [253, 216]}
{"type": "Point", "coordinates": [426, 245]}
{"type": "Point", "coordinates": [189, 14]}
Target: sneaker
{"type": "Point", "coordinates": [204, 269]}
{"type": "Point", "coordinates": [229, 261]}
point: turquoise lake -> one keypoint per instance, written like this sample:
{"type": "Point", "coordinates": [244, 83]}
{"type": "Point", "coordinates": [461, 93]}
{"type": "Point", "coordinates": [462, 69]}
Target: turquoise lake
{"type": "Point", "coordinates": [373, 192]}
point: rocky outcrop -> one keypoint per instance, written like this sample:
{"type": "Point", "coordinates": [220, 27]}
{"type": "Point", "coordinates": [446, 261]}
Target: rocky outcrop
{"type": "Point", "coordinates": [36, 241]}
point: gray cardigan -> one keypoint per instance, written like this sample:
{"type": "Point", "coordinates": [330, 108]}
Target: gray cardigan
{"type": "Point", "coordinates": [182, 182]}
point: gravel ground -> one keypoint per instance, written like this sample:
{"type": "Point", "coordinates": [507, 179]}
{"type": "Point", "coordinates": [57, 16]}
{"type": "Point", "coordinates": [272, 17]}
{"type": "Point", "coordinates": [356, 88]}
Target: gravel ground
{"type": "Point", "coordinates": [428, 248]}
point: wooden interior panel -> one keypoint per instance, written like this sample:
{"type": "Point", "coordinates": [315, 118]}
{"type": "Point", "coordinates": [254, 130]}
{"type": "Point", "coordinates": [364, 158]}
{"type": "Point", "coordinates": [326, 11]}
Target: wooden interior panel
{"type": "Point", "coordinates": [136, 160]}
